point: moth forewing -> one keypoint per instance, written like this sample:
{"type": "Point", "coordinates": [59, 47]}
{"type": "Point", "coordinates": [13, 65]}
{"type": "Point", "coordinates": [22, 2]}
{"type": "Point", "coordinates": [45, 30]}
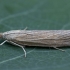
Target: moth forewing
{"type": "Point", "coordinates": [44, 38]}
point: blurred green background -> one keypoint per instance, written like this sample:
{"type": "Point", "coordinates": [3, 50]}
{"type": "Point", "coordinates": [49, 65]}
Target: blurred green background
{"type": "Point", "coordinates": [36, 15]}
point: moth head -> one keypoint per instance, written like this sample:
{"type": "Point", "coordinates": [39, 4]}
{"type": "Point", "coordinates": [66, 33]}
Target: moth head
{"type": "Point", "coordinates": [1, 35]}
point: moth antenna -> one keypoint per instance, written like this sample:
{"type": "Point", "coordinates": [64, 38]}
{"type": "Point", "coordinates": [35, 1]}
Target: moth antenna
{"type": "Point", "coordinates": [3, 42]}
{"type": "Point", "coordinates": [59, 49]}
{"type": "Point", "coordinates": [19, 46]}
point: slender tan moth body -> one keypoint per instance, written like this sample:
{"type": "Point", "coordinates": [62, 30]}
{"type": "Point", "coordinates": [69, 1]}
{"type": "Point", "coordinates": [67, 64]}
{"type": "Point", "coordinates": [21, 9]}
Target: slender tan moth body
{"type": "Point", "coordinates": [42, 38]}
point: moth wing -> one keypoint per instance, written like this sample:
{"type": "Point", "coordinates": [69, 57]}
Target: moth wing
{"type": "Point", "coordinates": [41, 38]}
{"type": "Point", "coordinates": [46, 34]}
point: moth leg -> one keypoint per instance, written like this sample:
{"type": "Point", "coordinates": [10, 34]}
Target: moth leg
{"type": "Point", "coordinates": [59, 49]}
{"type": "Point", "coordinates": [25, 28]}
{"type": "Point", "coordinates": [19, 46]}
{"type": "Point", "coordinates": [3, 42]}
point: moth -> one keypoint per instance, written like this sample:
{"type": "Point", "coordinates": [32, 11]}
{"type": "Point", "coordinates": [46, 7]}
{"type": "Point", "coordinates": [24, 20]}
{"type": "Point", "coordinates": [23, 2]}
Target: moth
{"type": "Point", "coordinates": [40, 38]}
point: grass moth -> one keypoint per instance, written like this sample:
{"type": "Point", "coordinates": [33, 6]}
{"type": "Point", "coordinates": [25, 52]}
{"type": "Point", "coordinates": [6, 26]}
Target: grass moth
{"type": "Point", "coordinates": [40, 38]}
